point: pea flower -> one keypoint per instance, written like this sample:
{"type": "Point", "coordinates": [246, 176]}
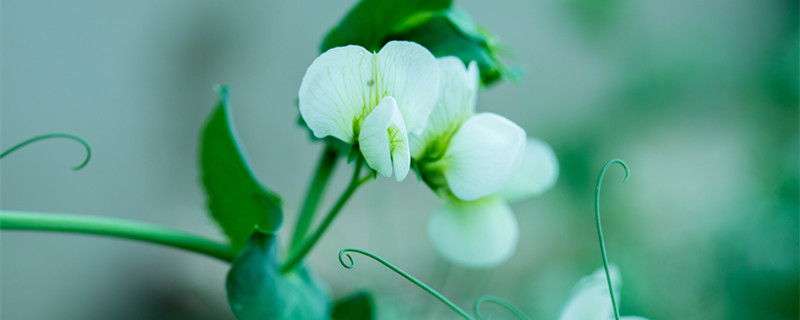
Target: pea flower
{"type": "Point", "coordinates": [372, 100]}
{"type": "Point", "coordinates": [483, 233]}
{"type": "Point", "coordinates": [476, 162]}
{"type": "Point", "coordinates": [590, 299]}
{"type": "Point", "coordinates": [467, 154]}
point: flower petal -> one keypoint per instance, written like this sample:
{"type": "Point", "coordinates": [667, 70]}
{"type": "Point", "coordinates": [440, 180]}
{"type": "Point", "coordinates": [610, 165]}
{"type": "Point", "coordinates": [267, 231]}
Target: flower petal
{"type": "Point", "coordinates": [398, 144]}
{"type": "Point", "coordinates": [537, 173]}
{"type": "Point", "coordinates": [383, 140]}
{"type": "Point", "coordinates": [409, 73]}
{"type": "Point", "coordinates": [373, 140]}
{"type": "Point", "coordinates": [482, 155]}
{"type": "Point", "coordinates": [335, 90]}
{"type": "Point", "coordinates": [477, 234]}
{"type": "Point", "coordinates": [458, 92]}
{"type": "Point", "coordinates": [590, 299]}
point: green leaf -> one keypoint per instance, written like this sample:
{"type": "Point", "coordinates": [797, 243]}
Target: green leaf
{"type": "Point", "coordinates": [433, 24]}
{"type": "Point", "coordinates": [236, 200]}
{"type": "Point", "coordinates": [355, 307]}
{"type": "Point", "coordinates": [257, 290]}
{"type": "Point", "coordinates": [453, 33]}
{"type": "Point", "coordinates": [370, 22]}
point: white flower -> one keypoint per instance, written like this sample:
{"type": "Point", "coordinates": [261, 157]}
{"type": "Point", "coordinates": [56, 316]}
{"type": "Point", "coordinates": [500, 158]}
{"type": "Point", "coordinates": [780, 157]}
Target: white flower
{"type": "Point", "coordinates": [537, 174]}
{"type": "Point", "coordinates": [477, 234]}
{"type": "Point", "coordinates": [590, 299]}
{"type": "Point", "coordinates": [471, 155]}
{"type": "Point", "coordinates": [483, 233]}
{"type": "Point", "coordinates": [372, 99]}
{"type": "Point", "coordinates": [476, 163]}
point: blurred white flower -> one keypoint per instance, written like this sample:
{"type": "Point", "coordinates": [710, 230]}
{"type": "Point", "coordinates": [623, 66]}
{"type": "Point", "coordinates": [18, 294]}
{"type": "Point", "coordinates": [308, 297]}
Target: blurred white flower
{"type": "Point", "coordinates": [537, 173]}
{"type": "Point", "coordinates": [476, 163]}
{"type": "Point", "coordinates": [590, 299]}
{"type": "Point", "coordinates": [477, 234]}
{"type": "Point", "coordinates": [372, 99]}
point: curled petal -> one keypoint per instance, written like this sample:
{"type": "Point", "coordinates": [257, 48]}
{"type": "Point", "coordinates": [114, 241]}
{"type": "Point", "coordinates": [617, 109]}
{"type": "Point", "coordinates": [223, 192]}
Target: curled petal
{"type": "Point", "coordinates": [537, 173]}
{"type": "Point", "coordinates": [482, 155]}
{"type": "Point", "coordinates": [384, 141]}
{"type": "Point", "coordinates": [477, 234]}
{"type": "Point", "coordinates": [458, 92]}
{"type": "Point", "coordinates": [398, 144]}
{"type": "Point", "coordinates": [590, 299]}
{"type": "Point", "coordinates": [335, 90]}
{"type": "Point", "coordinates": [409, 73]}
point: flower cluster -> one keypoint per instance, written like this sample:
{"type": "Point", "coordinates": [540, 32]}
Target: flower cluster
{"type": "Point", "coordinates": [402, 108]}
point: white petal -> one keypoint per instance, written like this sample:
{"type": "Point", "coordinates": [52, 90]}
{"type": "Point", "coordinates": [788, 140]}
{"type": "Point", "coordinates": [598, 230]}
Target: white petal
{"type": "Point", "coordinates": [590, 299]}
{"type": "Point", "coordinates": [335, 90]}
{"type": "Point", "coordinates": [537, 173]}
{"type": "Point", "coordinates": [398, 144]}
{"type": "Point", "coordinates": [458, 92]}
{"type": "Point", "coordinates": [478, 234]}
{"type": "Point", "coordinates": [482, 155]}
{"type": "Point", "coordinates": [373, 139]}
{"type": "Point", "coordinates": [383, 140]}
{"type": "Point", "coordinates": [409, 73]}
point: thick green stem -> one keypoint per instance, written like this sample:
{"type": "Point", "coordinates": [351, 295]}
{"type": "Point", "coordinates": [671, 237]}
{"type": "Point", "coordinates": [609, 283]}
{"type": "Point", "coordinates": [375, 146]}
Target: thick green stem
{"type": "Point", "coordinates": [298, 255]}
{"type": "Point", "coordinates": [15, 220]}
{"type": "Point", "coordinates": [314, 195]}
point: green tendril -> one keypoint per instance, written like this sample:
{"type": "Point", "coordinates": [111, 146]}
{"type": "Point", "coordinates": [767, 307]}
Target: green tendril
{"type": "Point", "coordinates": [476, 308]}
{"type": "Point", "coordinates": [600, 230]}
{"type": "Point", "coordinates": [50, 136]}
{"type": "Point", "coordinates": [349, 265]}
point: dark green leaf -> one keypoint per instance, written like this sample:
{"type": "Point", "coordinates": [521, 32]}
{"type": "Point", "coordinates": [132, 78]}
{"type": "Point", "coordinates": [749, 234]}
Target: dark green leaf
{"type": "Point", "coordinates": [235, 198]}
{"type": "Point", "coordinates": [433, 24]}
{"type": "Point", "coordinates": [355, 307]}
{"type": "Point", "coordinates": [453, 33]}
{"type": "Point", "coordinates": [370, 22]}
{"type": "Point", "coordinates": [257, 290]}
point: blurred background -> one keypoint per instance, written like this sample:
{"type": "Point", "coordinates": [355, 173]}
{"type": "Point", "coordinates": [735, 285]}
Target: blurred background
{"type": "Point", "coordinates": [699, 97]}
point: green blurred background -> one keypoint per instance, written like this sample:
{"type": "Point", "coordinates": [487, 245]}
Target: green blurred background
{"type": "Point", "coordinates": [699, 97]}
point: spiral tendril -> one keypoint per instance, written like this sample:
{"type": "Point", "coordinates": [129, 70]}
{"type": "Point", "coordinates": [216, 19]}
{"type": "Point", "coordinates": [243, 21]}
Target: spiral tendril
{"type": "Point", "coordinates": [50, 136]}
{"type": "Point", "coordinates": [497, 301]}
{"type": "Point", "coordinates": [600, 229]}
{"type": "Point", "coordinates": [349, 265]}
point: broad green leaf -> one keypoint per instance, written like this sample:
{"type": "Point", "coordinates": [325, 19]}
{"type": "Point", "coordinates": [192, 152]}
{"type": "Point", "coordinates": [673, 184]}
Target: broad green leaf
{"type": "Point", "coordinates": [236, 200]}
{"type": "Point", "coordinates": [369, 23]}
{"type": "Point", "coordinates": [355, 307]}
{"type": "Point", "coordinates": [433, 24]}
{"type": "Point", "coordinates": [257, 290]}
{"type": "Point", "coordinates": [453, 33]}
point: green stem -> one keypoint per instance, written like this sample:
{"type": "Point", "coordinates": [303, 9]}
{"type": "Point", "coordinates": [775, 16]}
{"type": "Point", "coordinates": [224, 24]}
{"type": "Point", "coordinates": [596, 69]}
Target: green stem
{"type": "Point", "coordinates": [297, 255]}
{"type": "Point", "coordinates": [600, 230]}
{"type": "Point", "coordinates": [437, 295]}
{"type": "Point", "coordinates": [15, 220]}
{"type": "Point", "coordinates": [313, 196]}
